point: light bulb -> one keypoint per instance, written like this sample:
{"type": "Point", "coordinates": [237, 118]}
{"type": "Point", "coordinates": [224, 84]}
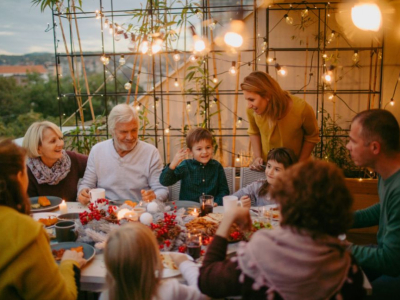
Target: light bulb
{"type": "Point", "coordinates": [199, 14]}
{"type": "Point", "coordinates": [117, 36]}
{"type": "Point", "coordinates": [238, 158]}
{"type": "Point", "coordinates": [215, 79]}
{"type": "Point", "coordinates": [167, 130]}
{"type": "Point", "coordinates": [98, 15]}
{"type": "Point", "coordinates": [119, 28]}
{"type": "Point", "coordinates": [330, 96]}
{"type": "Point", "coordinates": [199, 45]}
{"type": "Point", "coordinates": [264, 45]}
{"type": "Point", "coordinates": [106, 61]}
{"type": "Point", "coordinates": [188, 106]}
{"type": "Point", "coordinates": [176, 83]}
{"type": "Point", "coordinates": [122, 60]}
{"type": "Point", "coordinates": [212, 24]}
{"type": "Point", "coordinates": [304, 13]}
{"type": "Point", "coordinates": [215, 100]}
{"type": "Point", "coordinates": [128, 85]}
{"type": "Point", "coordinates": [156, 102]}
{"type": "Point", "coordinates": [270, 59]}
{"type": "Point", "coordinates": [192, 58]}
{"type": "Point", "coordinates": [232, 70]}
{"type": "Point", "coordinates": [289, 20]}
{"type": "Point", "coordinates": [332, 36]}
{"type": "Point", "coordinates": [103, 58]}
{"type": "Point", "coordinates": [239, 122]}
{"type": "Point", "coordinates": [355, 57]}
{"type": "Point", "coordinates": [282, 72]}
{"type": "Point", "coordinates": [233, 39]}
{"type": "Point", "coordinates": [138, 106]}
{"type": "Point", "coordinates": [110, 30]}
{"type": "Point", "coordinates": [156, 46]}
{"type": "Point", "coordinates": [392, 102]}
{"type": "Point", "coordinates": [380, 55]}
{"type": "Point", "coordinates": [144, 46]}
{"type": "Point", "coordinates": [176, 56]}
{"type": "Point", "coordinates": [106, 24]}
{"type": "Point", "coordinates": [132, 46]}
{"type": "Point", "coordinates": [324, 56]}
{"type": "Point", "coordinates": [327, 78]}
{"type": "Point", "coordinates": [367, 16]}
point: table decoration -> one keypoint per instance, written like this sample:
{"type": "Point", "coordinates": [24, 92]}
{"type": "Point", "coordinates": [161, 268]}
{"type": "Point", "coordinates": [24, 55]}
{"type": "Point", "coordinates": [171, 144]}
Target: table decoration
{"type": "Point", "coordinates": [63, 207]}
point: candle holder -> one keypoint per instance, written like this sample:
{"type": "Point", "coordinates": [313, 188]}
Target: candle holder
{"type": "Point", "coordinates": [206, 205]}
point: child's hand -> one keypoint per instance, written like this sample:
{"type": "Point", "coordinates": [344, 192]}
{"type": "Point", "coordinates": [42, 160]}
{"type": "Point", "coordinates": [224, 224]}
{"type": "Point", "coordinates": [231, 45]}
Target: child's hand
{"type": "Point", "coordinates": [246, 201]}
{"type": "Point", "coordinates": [181, 155]}
{"type": "Point", "coordinates": [148, 196]}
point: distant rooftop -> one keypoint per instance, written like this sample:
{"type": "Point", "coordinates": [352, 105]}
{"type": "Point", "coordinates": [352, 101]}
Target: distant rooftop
{"type": "Point", "coordinates": [21, 70]}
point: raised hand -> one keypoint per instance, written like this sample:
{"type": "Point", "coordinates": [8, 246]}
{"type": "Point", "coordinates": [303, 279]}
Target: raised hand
{"type": "Point", "coordinates": [179, 156]}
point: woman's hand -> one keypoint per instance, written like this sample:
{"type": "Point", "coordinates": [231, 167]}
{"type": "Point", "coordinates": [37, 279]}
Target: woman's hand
{"type": "Point", "coordinates": [75, 256]}
{"type": "Point", "coordinates": [148, 196]}
{"type": "Point", "coordinates": [83, 196]}
{"type": "Point", "coordinates": [181, 155]}
{"type": "Point", "coordinates": [240, 216]}
{"type": "Point", "coordinates": [246, 201]}
{"type": "Point", "coordinates": [257, 165]}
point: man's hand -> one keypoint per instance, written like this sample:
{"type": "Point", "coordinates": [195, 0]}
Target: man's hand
{"type": "Point", "coordinates": [83, 196]}
{"type": "Point", "coordinates": [179, 156]}
{"type": "Point", "coordinates": [148, 196]}
{"type": "Point", "coordinates": [73, 255]}
{"type": "Point", "coordinates": [240, 216]}
{"type": "Point", "coordinates": [257, 165]}
{"type": "Point", "coordinates": [246, 201]}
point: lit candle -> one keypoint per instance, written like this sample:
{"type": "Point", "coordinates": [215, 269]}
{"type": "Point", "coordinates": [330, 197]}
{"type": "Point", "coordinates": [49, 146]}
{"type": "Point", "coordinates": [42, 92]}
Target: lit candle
{"type": "Point", "coordinates": [195, 213]}
{"type": "Point", "coordinates": [63, 207]}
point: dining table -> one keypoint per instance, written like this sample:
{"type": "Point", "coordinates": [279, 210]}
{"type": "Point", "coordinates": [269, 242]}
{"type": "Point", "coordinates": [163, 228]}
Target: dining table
{"type": "Point", "coordinates": [93, 274]}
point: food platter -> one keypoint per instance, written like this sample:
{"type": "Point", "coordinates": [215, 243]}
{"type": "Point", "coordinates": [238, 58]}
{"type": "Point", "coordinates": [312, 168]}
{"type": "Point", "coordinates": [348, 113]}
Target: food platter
{"type": "Point", "coordinates": [45, 215]}
{"type": "Point", "coordinates": [171, 271]}
{"type": "Point", "coordinates": [88, 251]}
{"type": "Point", "coordinates": [54, 203]}
{"type": "Point", "coordinates": [119, 202]}
{"type": "Point", "coordinates": [184, 203]}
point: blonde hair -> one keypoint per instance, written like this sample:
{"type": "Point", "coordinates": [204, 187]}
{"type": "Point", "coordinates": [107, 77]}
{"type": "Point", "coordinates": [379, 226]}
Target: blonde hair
{"type": "Point", "coordinates": [133, 263]}
{"type": "Point", "coordinates": [121, 113]}
{"type": "Point", "coordinates": [264, 85]}
{"type": "Point", "coordinates": [34, 137]}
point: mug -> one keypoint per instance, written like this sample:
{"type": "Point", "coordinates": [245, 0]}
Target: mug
{"type": "Point", "coordinates": [65, 231]}
{"type": "Point", "coordinates": [97, 194]}
{"type": "Point", "coordinates": [139, 210]}
{"type": "Point", "coordinates": [230, 202]}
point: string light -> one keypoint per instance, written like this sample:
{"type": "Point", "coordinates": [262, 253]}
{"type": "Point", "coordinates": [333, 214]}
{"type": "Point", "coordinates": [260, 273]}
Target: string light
{"type": "Point", "coordinates": [199, 43]}
{"type": "Point", "coordinates": [355, 56]}
{"type": "Point", "coordinates": [289, 20]}
{"type": "Point", "coordinates": [98, 14]}
{"type": "Point", "coordinates": [332, 36]}
{"type": "Point", "coordinates": [331, 96]}
{"type": "Point", "coordinates": [188, 106]}
{"type": "Point", "coordinates": [392, 102]}
{"type": "Point", "coordinates": [176, 56]}
{"type": "Point", "coordinates": [193, 58]}
{"type": "Point", "coordinates": [122, 60]}
{"type": "Point", "coordinates": [304, 13]}
{"type": "Point", "coordinates": [106, 61]}
{"type": "Point", "coordinates": [138, 105]}
{"type": "Point", "coordinates": [118, 35]}
{"type": "Point", "coordinates": [128, 85]}
{"type": "Point", "coordinates": [156, 46]}
{"type": "Point", "coordinates": [144, 46]}
{"type": "Point", "coordinates": [281, 71]}
{"type": "Point", "coordinates": [167, 129]}
{"type": "Point", "coordinates": [199, 14]}
{"type": "Point", "coordinates": [233, 36]}
{"type": "Point", "coordinates": [106, 24]}
{"type": "Point", "coordinates": [176, 83]}
{"type": "Point", "coordinates": [264, 45]}
{"type": "Point", "coordinates": [215, 100]}
{"type": "Point", "coordinates": [380, 55]}
{"type": "Point", "coordinates": [132, 43]}
{"type": "Point", "coordinates": [324, 56]}
{"type": "Point", "coordinates": [156, 103]}
{"type": "Point", "coordinates": [270, 59]}
{"type": "Point", "coordinates": [366, 16]}
{"type": "Point", "coordinates": [327, 76]}
{"type": "Point", "coordinates": [215, 79]}
{"type": "Point", "coordinates": [238, 158]}
{"type": "Point", "coordinates": [239, 122]}
{"type": "Point", "coordinates": [110, 30]}
{"type": "Point", "coordinates": [232, 70]}
{"type": "Point", "coordinates": [212, 24]}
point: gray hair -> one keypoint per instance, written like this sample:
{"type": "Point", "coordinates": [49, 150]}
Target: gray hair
{"type": "Point", "coordinates": [34, 137]}
{"type": "Point", "coordinates": [121, 113]}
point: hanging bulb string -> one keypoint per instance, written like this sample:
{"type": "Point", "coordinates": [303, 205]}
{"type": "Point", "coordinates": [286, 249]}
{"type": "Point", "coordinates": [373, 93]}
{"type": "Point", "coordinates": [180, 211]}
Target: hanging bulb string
{"type": "Point", "coordinates": [344, 102]}
{"type": "Point", "coordinates": [394, 91]}
{"type": "Point", "coordinates": [310, 75]}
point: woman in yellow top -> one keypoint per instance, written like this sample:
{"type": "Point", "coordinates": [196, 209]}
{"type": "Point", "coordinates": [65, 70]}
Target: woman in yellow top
{"type": "Point", "coordinates": [277, 119]}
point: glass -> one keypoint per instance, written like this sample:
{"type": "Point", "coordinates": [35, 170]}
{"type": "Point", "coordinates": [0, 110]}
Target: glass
{"type": "Point", "coordinates": [193, 244]}
{"type": "Point", "coordinates": [206, 205]}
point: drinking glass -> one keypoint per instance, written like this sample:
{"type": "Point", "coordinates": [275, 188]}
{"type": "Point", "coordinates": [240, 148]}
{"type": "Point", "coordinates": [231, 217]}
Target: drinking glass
{"type": "Point", "coordinates": [206, 205]}
{"type": "Point", "coordinates": [193, 244]}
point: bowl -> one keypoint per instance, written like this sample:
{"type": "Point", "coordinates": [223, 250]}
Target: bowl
{"type": "Point", "coordinates": [69, 216]}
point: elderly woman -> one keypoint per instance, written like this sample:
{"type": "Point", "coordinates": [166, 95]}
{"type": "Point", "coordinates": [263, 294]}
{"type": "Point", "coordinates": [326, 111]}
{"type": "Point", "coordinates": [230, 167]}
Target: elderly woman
{"type": "Point", "coordinates": [277, 119]}
{"type": "Point", "coordinates": [301, 259]}
{"type": "Point", "coordinates": [52, 171]}
{"type": "Point", "coordinates": [27, 267]}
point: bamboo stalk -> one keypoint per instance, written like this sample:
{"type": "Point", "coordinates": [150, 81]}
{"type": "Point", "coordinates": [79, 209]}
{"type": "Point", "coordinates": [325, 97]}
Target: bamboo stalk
{"type": "Point", "coordinates": [370, 77]}
{"type": "Point", "coordinates": [235, 111]}
{"type": "Point", "coordinates": [305, 71]}
{"type": "Point", "coordinates": [167, 88]}
{"type": "Point", "coordinates": [375, 75]}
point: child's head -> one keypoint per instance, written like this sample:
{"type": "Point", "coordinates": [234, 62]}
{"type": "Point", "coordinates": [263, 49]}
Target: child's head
{"type": "Point", "coordinates": [200, 144]}
{"type": "Point", "coordinates": [278, 160]}
{"type": "Point", "coordinates": [132, 259]}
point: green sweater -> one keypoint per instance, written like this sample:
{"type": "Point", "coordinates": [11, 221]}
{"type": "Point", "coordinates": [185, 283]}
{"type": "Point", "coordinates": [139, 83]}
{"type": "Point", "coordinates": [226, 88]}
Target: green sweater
{"type": "Point", "coordinates": [386, 214]}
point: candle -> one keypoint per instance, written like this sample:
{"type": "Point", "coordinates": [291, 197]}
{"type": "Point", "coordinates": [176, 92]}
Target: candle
{"type": "Point", "coordinates": [63, 207]}
{"type": "Point", "coordinates": [195, 213]}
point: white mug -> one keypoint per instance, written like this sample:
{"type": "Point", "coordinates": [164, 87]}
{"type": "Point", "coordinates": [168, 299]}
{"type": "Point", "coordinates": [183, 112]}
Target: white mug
{"type": "Point", "coordinates": [97, 194]}
{"type": "Point", "coordinates": [231, 202]}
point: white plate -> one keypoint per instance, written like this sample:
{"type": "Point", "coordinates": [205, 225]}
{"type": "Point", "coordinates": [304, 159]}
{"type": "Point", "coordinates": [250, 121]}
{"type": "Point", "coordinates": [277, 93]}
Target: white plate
{"type": "Point", "coordinates": [45, 215]}
{"type": "Point", "coordinates": [172, 273]}
{"type": "Point", "coordinates": [54, 202]}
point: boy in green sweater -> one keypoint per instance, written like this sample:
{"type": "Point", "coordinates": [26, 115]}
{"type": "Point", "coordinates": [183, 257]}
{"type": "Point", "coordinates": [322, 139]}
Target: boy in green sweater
{"type": "Point", "coordinates": [374, 143]}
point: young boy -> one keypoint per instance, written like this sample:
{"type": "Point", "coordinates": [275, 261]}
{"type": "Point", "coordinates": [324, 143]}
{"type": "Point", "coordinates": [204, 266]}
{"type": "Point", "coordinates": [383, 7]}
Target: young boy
{"type": "Point", "coordinates": [200, 175]}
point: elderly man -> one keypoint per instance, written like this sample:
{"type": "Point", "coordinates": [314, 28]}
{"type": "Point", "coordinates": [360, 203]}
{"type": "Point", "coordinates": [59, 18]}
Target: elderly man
{"type": "Point", "coordinates": [124, 166]}
{"type": "Point", "coordinates": [374, 143]}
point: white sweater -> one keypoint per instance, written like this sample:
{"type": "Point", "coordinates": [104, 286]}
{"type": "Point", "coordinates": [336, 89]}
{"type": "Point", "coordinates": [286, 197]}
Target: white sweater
{"type": "Point", "coordinates": [124, 177]}
{"type": "Point", "coordinates": [171, 289]}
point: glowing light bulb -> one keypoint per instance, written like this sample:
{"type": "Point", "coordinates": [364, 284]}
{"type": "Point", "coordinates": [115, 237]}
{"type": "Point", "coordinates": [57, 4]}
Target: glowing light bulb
{"type": "Point", "coordinates": [110, 30]}
{"type": "Point", "coordinates": [199, 14]}
{"type": "Point", "coordinates": [238, 158]}
{"type": "Point", "coordinates": [106, 24]}
{"type": "Point", "coordinates": [270, 59]}
{"type": "Point", "coordinates": [264, 45]}
{"type": "Point", "coordinates": [128, 85]}
{"type": "Point", "coordinates": [239, 122]}
{"type": "Point", "coordinates": [327, 78]}
{"type": "Point", "coordinates": [232, 70]}
{"type": "Point", "coordinates": [289, 20]}
{"type": "Point", "coordinates": [118, 35]}
{"type": "Point", "coordinates": [188, 106]}
{"type": "Point", "coordinates": [132, 46]}
{"type": "Point", "coordinates": [176, 83]}
{"type": "Point", "coordinates": [122, 60]}
{"type": "Point", "coordinates": [103, 58]}
{"type": "Point", "coordinates": [332, 36]}
{"type": "Point", "coordinates": [98, 14]}
{"type": "Point", "coordinates": [281, 71]}
{"type": "Point", "coordinates": [367, 16]}
{"type": "Point", "coordinates": [324, 56]}
{"type": "Point", "coordinates": [215, 100]}
{"type": "Point", "coordinates": [106, 61]}
{"type": "Point", "coordinates": [330, 96]}
{"type": "Point", "coordinates": [138, 106]}
{"type": "Point", "coordinates": [199, 45]}
{"type": "Point", "coordinates": [304, 13]}
{"type": "Point", "coordinates": [233, 39]}
{"type": "Point", "coordinates": [156, 102]}
{"type": "Point", "coordinates": [215, 79]}
{"type": "Point", "coordinates": [176, 56]}
{"type": "Point", "coordinates": [193, 58]}
{"type": "Point", "coordinates": [392, 102]}
{"type": "Point", "coordinates": [156, 46]}
{"type": "Point", "coordinates": [167, 130]}
{"type": "Point", "coordinates": [355, 57]}
{"type": "Point", "coordinates": [212, 24]}
{"type": "Point", "coordinates": [144, 46]}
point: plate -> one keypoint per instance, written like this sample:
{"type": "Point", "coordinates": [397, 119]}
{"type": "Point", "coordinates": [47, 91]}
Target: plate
{"type": "Point", "coordinates": [184, 204]}
{"type": "Point", "coordinates": [45, 215]}
{"type": "Point", "coordinates": [88, 251]}
{"type": "Point", "coordinates": [69, 216]}
{"type": "Point", "coordinates": [119, 202]}
{"type": "Point", "coordinates": [169, 272]}
{"type": "Point", "coordinates": [55, 202]}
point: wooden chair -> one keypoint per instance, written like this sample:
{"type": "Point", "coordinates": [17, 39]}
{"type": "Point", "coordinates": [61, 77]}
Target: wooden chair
{"type": "Point", "coordinates": [230, 173]}
{"type": "Point", "coordinates": [248, 176]}
{"type": "Point", "coordinates": [174, 191]}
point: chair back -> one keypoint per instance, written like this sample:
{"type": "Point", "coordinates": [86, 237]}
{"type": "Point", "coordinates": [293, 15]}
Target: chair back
{"type": "Point", "coordinates": [248, 176]}
{"type": "Point", "coordinates": [230, 173]}
{"type": "Point", "coordinates": [174, 191]}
